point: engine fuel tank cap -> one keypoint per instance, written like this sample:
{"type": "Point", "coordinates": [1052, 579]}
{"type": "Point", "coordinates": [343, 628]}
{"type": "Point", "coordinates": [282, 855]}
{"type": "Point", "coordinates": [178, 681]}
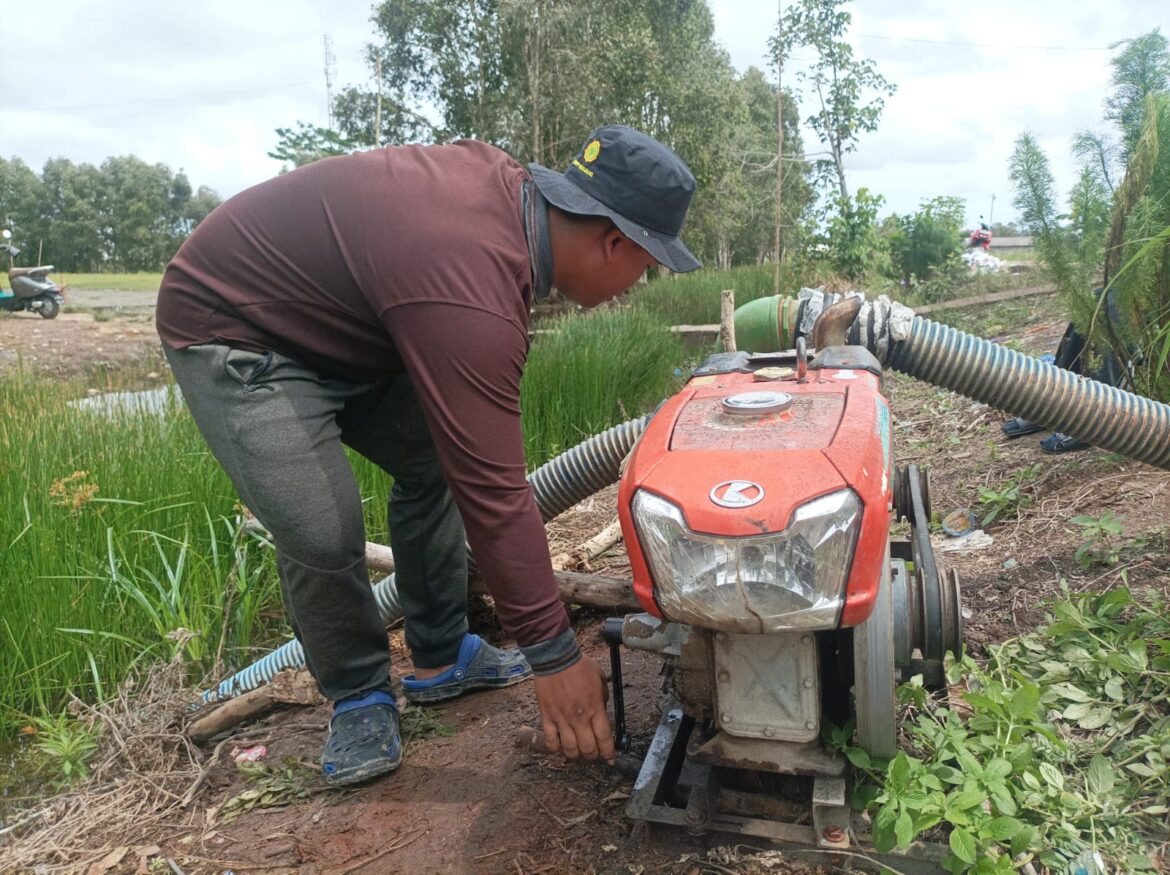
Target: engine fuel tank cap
{"type": "Point", "coordinates": [757, 403]}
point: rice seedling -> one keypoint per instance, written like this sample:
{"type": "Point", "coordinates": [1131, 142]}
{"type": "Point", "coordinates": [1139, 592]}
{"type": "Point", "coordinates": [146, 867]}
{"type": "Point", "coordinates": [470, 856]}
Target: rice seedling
{"type": "Point", "coordinates": [693, 298]}
{"type": "Point", "coordinates": [589, 373]}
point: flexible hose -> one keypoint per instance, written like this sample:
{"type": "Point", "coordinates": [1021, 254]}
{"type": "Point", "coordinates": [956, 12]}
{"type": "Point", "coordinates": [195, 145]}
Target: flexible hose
{"type": "Point", "coordinates": [559, 484]}
{"type": "Point", "coordinates": [577, 473]}
{"type": "Point", "coordinates": [292, 655]}
{"type": "Point", "coordinates": [1105, 416]}
{"type": "Point", "coordinates": [1102, 415]}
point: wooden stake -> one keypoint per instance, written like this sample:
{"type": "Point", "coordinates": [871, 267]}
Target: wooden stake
{"type": "Point", "coordinates": [727, 320]}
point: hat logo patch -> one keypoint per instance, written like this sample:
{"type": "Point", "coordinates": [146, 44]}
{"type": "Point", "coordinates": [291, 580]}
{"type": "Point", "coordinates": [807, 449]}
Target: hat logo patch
{"type": "Point", "coordinates": [592, 151]}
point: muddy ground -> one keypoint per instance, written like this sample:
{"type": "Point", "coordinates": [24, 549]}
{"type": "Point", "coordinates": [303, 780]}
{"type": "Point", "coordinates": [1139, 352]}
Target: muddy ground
{"type": "Point", "coordinates": [472, 801]}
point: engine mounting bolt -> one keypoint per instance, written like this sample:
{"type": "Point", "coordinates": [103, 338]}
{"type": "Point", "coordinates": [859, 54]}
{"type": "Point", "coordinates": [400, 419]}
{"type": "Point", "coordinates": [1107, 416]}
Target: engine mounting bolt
{"type": "Point", "coordinates": [806, 640]}
{"type": "Point", "coordinates": [808, 682]}
{"type": "Point", "coordinates": [725, 716]}
{"type": "Point", "coordinates": [768, 732]}
{"type": "Point", "coordinates": [833, 834]}
{"type": "Point", "coordinates": [811, 724]}
{"type": "Point", "coordinates": [724, 675]}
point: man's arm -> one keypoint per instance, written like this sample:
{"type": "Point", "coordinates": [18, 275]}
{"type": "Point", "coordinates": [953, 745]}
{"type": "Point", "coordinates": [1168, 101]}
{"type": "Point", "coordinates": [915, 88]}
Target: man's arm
{"type": "Point", "coordinates": [466, 366]}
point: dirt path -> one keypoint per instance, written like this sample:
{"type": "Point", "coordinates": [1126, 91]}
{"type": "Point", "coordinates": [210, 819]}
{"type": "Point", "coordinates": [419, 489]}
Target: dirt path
{"type": "Point", "coordinates": [75, 344]}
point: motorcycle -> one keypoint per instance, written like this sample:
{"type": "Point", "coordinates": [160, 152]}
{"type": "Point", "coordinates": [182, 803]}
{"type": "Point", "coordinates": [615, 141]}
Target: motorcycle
{"type": "Point", "coordinates": [980, 238]}
{"type": "Point", "coordinates": [32, 289]}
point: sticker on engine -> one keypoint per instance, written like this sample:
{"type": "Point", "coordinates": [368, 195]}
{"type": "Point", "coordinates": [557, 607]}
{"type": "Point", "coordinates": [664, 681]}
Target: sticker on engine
{"type": "Point", "coordinates": [882, 427]}
{"type": "Point", "coordinates": [845, 375]}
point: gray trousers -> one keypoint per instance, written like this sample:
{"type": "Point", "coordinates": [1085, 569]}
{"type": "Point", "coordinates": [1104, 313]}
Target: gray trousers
{"type": "Point", "coordinates": [278, 428]}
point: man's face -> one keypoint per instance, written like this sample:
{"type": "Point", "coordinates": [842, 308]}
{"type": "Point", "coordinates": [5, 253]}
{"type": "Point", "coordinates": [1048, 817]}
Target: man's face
{"type": "Point", "coordinates": [612, 275]}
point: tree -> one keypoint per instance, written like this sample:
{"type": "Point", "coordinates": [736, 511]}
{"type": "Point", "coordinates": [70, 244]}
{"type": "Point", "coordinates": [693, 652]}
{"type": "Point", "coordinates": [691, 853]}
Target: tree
{"type": "Point", "coordinates": [1088, 212]}
{"type": "Point", "coordinates": [70, 223]}
{"type": "Point", "coordinates": [855, 247]}
{"type": "Point", "coordinates": [125, 215]}
{"type": "Point", "coordinates": [535, 76]}
{"type": "Point", "coordinates": [1036, 201]}
{"type": "Point", "coordinates": [746, 199]}
{"type": "Point", "coordinates": [926, 242]}
{"type": "Point", "coordinates": [1142, 68]}
{"type": "Point", "coordinates": [20, 197]}
{"type": "Point", "coordinates": [1098, 153]}
{"type": "Point", "coordinates": [1137, 261]}
{"type": "Point", "coordinates": [847, 92]}
{"type": "Point", "coordinates": [307, 143]}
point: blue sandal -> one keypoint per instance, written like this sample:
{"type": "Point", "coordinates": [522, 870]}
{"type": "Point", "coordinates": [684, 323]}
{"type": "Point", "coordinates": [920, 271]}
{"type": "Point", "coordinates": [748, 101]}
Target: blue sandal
{"type": "Point", "coordinates": [1057, 443]}
{"type": "Point", "coordinates": [1018, 427]}
{"type": "Point", "coordinates": [363, 740]}
{"type": "Point", "coordinates": [478, 666]}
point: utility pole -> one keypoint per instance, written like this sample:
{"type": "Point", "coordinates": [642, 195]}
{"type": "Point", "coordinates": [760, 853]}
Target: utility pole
{"type": "Point", "coordinates": [330, 72]}
{"type": "Point", "coordinates": [779, 143]}
{"type": "Point", "coordinates": [991, 212]}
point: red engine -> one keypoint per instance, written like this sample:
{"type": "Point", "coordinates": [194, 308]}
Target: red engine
{"type": "Point", "coordinates": [758, 499]}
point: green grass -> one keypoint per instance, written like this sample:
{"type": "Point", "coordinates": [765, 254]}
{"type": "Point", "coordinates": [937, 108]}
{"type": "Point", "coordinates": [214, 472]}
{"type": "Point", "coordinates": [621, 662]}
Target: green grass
{"type": "Point", "coordinates": [119, 282]}
{"type": "Point", "coordinates": [1026, 254]}
{"type": "Point", "coordinates": [118, 545]}
{"type": "Point", "coordinates": [693, 298]}
{"type": "Point", "coordinates": [592, 372]}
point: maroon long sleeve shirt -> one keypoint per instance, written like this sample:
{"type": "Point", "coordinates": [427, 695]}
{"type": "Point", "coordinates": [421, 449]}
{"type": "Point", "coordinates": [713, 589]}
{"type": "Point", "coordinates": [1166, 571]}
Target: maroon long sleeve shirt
{"type": "Point", "coordinates": [406, 259]}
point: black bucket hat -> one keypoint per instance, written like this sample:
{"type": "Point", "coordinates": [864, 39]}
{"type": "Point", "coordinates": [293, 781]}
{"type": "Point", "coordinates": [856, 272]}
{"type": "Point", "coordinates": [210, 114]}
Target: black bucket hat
{"type": "Point", "coordinates": [642, 186]}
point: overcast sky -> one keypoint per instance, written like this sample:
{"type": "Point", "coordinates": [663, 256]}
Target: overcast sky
{"type": "Point", "coordinates": [202, 86]}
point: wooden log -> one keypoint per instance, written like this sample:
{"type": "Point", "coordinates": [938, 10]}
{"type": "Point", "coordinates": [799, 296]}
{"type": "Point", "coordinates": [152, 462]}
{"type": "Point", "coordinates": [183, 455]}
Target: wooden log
{"type": "Point", "coordinates": [287, 687]}
{"type": "Point", "coordinates": [990, 298]}
{"type": "Point", "coordinates": [591, 549]}
{"type": "Point", "coordinates": [727, 320]}
{"type": "Point", "coordinates": [583, 589]}
{"type": "Point", "coordinates": [592, 590]}
{"type": "Point", "coordinates": [379, 558]}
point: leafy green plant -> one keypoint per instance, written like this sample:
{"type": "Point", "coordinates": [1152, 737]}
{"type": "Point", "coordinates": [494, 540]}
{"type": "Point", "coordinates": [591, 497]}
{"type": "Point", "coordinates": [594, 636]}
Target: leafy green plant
{"type": "Point", "coordinates": [925, 243]}
{"type": "Point", "coordinates": [1058, 747]}
{"type": "Point", "coordinates": [1102, 543]}
{"type": "Point", "coordinates": [418, 723]}
{"type": "Point", "coordinates": [855, 247]}
{"type": "Point", "coordinates": [1009, 497]}
{"type": "Point", "coordinates": [67, 745]}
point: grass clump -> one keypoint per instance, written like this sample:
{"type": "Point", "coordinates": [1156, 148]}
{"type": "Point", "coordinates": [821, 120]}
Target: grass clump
{"type": "Point", "coordinates": [589, 373]}
{"type": "Point", "coordinates": [693, 298]}
{"type": "Point", "coordinates": [120, 543]}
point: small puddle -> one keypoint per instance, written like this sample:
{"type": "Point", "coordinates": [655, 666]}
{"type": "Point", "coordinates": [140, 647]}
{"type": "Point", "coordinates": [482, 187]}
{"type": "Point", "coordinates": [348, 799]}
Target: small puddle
{"type": "Point", "coordinates": [158, 401]}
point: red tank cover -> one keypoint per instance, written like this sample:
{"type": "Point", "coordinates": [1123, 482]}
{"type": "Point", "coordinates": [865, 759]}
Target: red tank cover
{"type": "Point", "coordinates": [835, 434]}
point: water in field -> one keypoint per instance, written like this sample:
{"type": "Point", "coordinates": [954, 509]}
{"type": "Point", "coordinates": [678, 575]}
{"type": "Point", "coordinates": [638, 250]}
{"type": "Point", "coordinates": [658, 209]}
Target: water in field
{"type": "Point", "coordinates": [158, 401]}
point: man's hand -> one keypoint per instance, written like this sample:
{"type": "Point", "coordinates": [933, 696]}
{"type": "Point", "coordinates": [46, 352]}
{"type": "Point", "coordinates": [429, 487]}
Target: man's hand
{"type": "Point", "coordinates": [572, 710]}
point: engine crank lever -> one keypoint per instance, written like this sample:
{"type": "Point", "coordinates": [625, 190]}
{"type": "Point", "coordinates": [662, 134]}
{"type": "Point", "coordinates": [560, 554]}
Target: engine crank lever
{"type": "Point", "coordinates": [612, 633]}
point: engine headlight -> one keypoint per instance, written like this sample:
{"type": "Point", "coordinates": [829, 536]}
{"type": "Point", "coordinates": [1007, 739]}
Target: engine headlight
{"type": "Point", "coordinates": [793, 579]}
